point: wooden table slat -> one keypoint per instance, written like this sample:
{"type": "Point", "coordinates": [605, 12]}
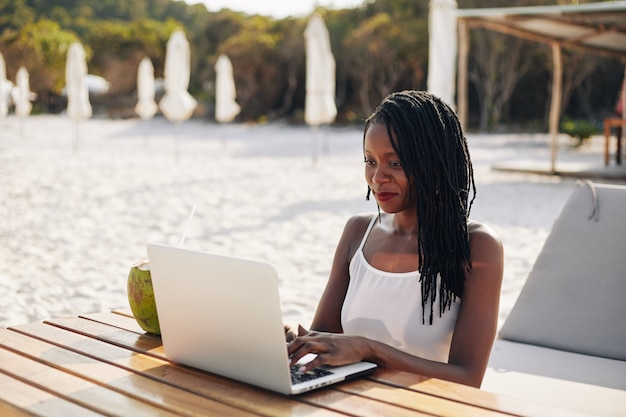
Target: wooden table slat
{"type": "Point", "coordinates": [99, 329]}
{"type": "Point", "coordinates": [73, 388]}
{"type": "Point", "coordinates": [138, 342]}
{"type": "Point", "coordinates": [116, 378]}
{"type": "Point", "coordinates": [18, 398]}
{"type": "Point", "coordinates": [126, 311]}
{"type": "Point", "coordinates": [415, 400]}
{"type": "Point", "coordinates": [210, 386]}
{"type": "Point", "coordinates": [116, 320]}
{"type": "Point", "coordinates": [356, 405]}
{"type": "Point", "coordinates": [108, 364]}
{"type": "Point", "coordinates": [429, 386]}
{"type": "Point", "coordinates": [470, 395]}
{"type": "Point", "coordinates": [10, 409]}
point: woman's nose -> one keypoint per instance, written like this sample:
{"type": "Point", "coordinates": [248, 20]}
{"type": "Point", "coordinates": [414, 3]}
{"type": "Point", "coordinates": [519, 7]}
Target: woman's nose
{"type": "Point", "coordinates": [379, 175]}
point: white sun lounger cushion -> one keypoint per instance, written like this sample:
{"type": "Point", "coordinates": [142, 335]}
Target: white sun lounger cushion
{"type": "Point", "coordinates": [575, 296]}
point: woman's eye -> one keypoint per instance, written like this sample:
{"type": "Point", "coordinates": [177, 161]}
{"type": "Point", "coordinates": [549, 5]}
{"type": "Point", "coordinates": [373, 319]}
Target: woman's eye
{"type": "Point", "coordinates": [395, 164]}
{"type": "Point", "coordinates": [368, 162]}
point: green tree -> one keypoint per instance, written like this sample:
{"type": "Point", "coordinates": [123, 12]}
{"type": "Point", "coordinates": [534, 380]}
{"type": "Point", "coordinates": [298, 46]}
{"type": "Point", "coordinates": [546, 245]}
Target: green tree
{"type": "Point", "coordinates": [14, 15]}
{"type": "Point", "coordinates": [118, 47]}
{"type": "Point", "coordinates": [206, 44]}
{"type": "Point", "coordinates": [42, 48]}
{"type": "Point", "coordinates": [379, 47]}
{"type": "Point", "coordinates": [382, 53]}
{"type": "Point", "coordinates": [497, 63]}
{"type": "Point", "coordinates": [252, 51]}
{"type": "Point", "coordinates": [291, 56]}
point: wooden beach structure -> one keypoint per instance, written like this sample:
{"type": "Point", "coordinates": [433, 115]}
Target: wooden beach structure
{"type": "Point", "coordinates": [596, 27]}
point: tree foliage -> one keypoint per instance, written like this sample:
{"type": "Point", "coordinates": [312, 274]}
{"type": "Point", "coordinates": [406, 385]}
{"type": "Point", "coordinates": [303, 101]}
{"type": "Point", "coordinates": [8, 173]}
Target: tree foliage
{"type": "Point", "coordinates": [379, 47]}
{"type": "Point", "coordinates": [41, 47]}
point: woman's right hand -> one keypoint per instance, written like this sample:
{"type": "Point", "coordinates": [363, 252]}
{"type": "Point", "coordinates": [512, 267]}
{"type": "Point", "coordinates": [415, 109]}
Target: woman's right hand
{"type": "Point", "coordinates": [290, 334]}
{"type": "Point", "coordinates": [332, 349]}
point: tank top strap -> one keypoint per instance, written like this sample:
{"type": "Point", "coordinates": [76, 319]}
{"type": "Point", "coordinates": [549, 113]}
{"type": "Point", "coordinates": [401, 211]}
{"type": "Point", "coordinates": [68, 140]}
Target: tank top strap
{"type": "Point", "coordinates": [367, 232]}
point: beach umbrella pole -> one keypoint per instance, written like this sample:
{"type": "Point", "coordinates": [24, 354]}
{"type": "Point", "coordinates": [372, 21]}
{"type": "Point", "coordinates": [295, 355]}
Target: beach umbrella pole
{"type": "Point", "coordinates": [177, 142]}
{"type": "Point", "coordinates": [76, 136]}
{"type": "Point", "coordinates": [146, 135]}
{"type": "Point", "coordinates": [314, 144]}
{"type": "Point", "coordinates": [22, 129]}
{"type": "Point", "coordinates": [325, 143]}
{"type": "Point", "coordinates": [223, 137]}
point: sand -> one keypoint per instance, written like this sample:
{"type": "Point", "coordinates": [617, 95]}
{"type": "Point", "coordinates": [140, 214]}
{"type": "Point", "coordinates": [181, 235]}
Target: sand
{"type": "Point", "coordinates": [81, 201]}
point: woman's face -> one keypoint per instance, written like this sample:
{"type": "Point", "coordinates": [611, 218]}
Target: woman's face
{"type": "Point", "coordinates": [384, 173]}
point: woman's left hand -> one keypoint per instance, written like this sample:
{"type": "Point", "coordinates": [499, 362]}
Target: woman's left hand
{"type": "Point", "coordinates": [332, 349]}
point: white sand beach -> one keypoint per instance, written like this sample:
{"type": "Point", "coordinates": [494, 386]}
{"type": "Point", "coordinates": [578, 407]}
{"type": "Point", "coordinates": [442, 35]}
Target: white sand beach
{"type": "Point", "coordinates": [74, 221]}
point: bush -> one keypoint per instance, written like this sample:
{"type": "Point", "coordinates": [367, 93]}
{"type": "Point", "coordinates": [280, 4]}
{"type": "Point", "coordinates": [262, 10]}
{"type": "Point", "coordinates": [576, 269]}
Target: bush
{"type": "Point", "coordinates": [579, 129]}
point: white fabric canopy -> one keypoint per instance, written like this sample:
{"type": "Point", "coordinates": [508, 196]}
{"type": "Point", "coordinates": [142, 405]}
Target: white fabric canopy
{"type": "Point", "coordinates": [226, 108]}
{"type": "Point", "coordinates": [177, 104]}
{"type": "Point", "coordinates": [4, 94]}
{"type": "Point", "coordinates": [23, 105]}
{"type": "Point", "coordinates": [442, 47]}
{"type": "Point", "coordinates": [320, 74]}
{"type": "Point", "coordinates": [596, 27]}
{"type": "Point", "coordinates": [97, 84]}
{"type": "Point", "coordinates": [146, 107]}
{"type": "Point", "coordinates": [78, 106]}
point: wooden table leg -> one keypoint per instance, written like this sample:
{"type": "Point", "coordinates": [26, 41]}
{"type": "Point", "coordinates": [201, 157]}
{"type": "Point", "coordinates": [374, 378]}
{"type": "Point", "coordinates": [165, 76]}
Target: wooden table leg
{"type": "Point", "coordinates": [618, 152]}
{"type": "Point", "coordinates": [607, 134]}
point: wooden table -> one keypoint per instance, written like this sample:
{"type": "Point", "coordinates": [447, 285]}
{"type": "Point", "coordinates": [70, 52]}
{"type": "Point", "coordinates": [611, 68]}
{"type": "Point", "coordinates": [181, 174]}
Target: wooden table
{"type": "Point", "coordinates": [104, 364]}
{"type": "Point", "coordinates": [609, 123]}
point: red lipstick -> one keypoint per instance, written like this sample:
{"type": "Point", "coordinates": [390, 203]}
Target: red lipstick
{"type": "Point", "coordinates": [385, 196]}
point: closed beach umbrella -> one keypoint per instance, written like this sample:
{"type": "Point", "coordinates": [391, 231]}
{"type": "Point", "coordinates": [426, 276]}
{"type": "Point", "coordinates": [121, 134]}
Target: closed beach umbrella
{"type": "Point", "coordinates": [226, 108]}
{"type": "Point", "coordinates": [4, 94]}
{"type": "Point", "coordinates": [320, 74]}
{"type": "Point", "coordinates": [146, 107]}
{"type": "Point", "coordinates": [22, 93]}
{"type": "Point", "coordinates": [78, 106]}
{"type": "Point", "coordinates": [177, 104]}
{"type": "Point", "coordinates": [442, 46]}
{"type": "Point", "coordinates": [96, 84]}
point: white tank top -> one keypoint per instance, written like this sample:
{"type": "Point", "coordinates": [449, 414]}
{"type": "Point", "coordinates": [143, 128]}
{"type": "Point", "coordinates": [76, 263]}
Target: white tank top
{"type": "Point", "coordinates": [386, 306]}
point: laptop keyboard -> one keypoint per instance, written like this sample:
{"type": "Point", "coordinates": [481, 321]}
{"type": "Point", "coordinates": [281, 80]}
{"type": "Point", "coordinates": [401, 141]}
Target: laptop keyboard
{"type": "Point", "coordinates": [297, 377]}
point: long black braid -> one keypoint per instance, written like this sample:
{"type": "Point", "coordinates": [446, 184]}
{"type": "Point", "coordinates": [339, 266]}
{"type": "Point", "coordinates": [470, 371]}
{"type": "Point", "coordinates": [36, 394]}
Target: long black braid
{"type": "Point", "coordinates": [427, 136]}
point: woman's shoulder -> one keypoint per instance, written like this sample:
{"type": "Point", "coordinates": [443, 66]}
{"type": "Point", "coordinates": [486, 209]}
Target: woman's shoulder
{"type": "Point", "coordinates": [354, 230]}
{"type": "Point", "coordinates": [484, 240]}
{"type": "Point", "coordinates": [360, 220]}
{"type": "Point", "coordinates": [476, 228]}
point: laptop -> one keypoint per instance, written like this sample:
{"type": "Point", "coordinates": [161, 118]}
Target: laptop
{"type": "Point", "coordinates": [222, 314]}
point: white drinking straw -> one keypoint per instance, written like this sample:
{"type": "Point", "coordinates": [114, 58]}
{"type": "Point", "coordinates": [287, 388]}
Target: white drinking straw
{"type": "Point", "coordinates": [182, 238]}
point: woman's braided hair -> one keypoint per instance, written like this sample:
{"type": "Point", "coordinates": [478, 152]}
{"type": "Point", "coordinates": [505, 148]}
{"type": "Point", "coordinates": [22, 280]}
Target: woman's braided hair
{"type": "Point", "coordinates": [428, 139]}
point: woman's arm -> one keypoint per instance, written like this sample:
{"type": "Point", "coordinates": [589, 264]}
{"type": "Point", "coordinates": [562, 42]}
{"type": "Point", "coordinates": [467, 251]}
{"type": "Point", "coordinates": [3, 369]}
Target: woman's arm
{"type": "Point", "coordinates": [328, 314]}
{"type": "Point", "coordinates": [474, 331]}
{"type": "Point", "coordinates": [477, 322]}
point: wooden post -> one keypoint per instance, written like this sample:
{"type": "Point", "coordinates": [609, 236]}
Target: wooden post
{"type": "Point", "coordinates": [555, 104]}
{"type": "Point", "coordinates": [461, 97]}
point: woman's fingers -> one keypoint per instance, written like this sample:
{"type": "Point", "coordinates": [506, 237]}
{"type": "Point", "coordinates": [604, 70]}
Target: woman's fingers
{"type": "Point", "coordinates": [329, 348]}
{"type": "Point", "coordinates": [302, 331]}
{"type": "Point", "coordinates": [315, 363]}
{"type": "Point", "coordinates": [290, 335]}
{"type": "Point", "coordinates": [299, 348]}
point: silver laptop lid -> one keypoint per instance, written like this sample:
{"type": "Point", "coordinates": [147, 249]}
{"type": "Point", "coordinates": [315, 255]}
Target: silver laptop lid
{"type": "Point", "coordinates": [221, 314]}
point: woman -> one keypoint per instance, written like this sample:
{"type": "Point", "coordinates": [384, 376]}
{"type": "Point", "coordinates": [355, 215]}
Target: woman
{"type": "Point", "coordinates": [415, 287]}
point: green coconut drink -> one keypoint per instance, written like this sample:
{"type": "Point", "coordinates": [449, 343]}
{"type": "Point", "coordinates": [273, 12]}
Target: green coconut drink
{"type": "Point", "coordinates": [141, 297]}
